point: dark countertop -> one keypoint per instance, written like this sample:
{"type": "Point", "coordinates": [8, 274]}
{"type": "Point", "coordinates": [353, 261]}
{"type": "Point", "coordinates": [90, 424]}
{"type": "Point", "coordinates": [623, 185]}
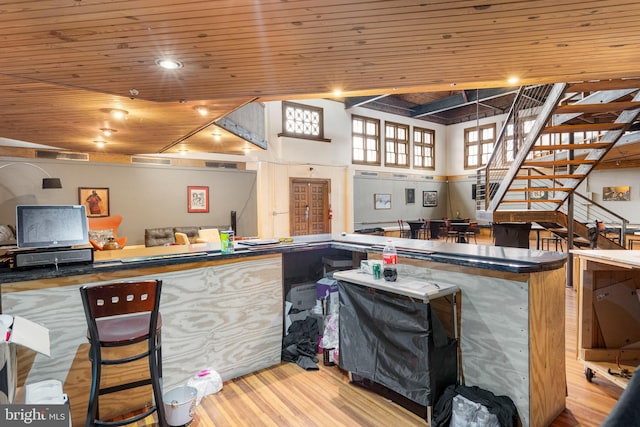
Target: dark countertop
{"type": "Point", "coordinates": [513, 260]}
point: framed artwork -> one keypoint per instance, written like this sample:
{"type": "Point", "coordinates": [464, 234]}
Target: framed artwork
{"type": "Point", "coordinates": [197, 199]}
{"type": "Point", "coordinates": [429, 198]}
{"type": "Point", "coordinates": [538, 195]}
{"type": "Point", "coordinates": [95, 199]}
{"type": "Point", "coordinates": [410, 195]}
{"type": "Point", "coordinates": [382, 201]}
{"type": "Point", "coordinates": [611, 194]}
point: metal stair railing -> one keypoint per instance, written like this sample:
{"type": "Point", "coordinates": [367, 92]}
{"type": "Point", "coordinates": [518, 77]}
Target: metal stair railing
{"type": "Point", "coordinates": [513, 144]}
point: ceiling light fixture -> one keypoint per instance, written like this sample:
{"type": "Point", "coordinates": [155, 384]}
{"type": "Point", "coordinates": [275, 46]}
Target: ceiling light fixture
{"type": "Point", "coordinates": [107, 131]}
{"type": "Point", "coordinates": [119, 114]}
{"type": "Point", "coordinates": [513, 80]}
{"type": "Point", "coordinates": [337, 92]}
{"type": "Point", "coordinates": [168, 63]}
{"type": "Point", "coordinates": [216, 135]}
{"type": "Point", "coordinates": [100, 144]}
{"type": "Point", "coordinates": [201, 109]}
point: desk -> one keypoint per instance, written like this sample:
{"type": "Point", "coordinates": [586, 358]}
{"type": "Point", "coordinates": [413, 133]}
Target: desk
{"type": "Point", "coordinates": [415, 226]}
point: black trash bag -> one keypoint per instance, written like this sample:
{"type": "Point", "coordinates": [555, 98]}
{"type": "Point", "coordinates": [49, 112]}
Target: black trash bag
{"type": "Point", "coordinates": [501, 406]}
{"type": "Point", "coordinates": [301, 340]}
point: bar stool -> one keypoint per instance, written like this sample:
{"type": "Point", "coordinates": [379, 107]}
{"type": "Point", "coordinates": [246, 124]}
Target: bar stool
{"type": "Point", "coordinates": [119, 315]}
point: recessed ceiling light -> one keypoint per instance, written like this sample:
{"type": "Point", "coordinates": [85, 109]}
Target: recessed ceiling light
{"type": "Point", "coordinates": [513, 80]}
{"type": "Point", "coordinates": [119, 114]}
{"type": "Point", "coordinates": [337, 92]}
{"type": "Point", "coordinates": [168, 64]}
{"type": "Point", "coordinates": [100, 144]}
{"type": "Point", "coordinates": [107, 131]}
{"type": "Point", "coordinates": [201, 109]}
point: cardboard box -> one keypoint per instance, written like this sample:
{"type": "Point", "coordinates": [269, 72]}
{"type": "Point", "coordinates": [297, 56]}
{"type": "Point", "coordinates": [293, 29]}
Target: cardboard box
{"type": "Point", "coordinates": [23, 333]}
{"type": "Point", "coordinates": [326, 286]}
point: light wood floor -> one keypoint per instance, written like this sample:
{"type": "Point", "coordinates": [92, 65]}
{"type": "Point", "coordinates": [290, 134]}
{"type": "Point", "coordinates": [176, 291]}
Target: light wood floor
{"type": "Point", "coordinates": [286, 395]}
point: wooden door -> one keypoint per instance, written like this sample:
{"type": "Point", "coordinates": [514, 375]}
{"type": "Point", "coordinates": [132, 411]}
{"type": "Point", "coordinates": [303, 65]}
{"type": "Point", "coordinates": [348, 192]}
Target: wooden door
{"type": "Point", "coordinates": [309, 206]}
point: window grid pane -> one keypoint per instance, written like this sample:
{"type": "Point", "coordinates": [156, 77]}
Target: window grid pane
{"type": "Point", "coordinates": [396, 144]}
{"type": "Point", "coordinates": [365, 140]}
{"type": "Point", "coordinates": [423, 148]}
{"type": "Point", "coordinates": [302, 120]}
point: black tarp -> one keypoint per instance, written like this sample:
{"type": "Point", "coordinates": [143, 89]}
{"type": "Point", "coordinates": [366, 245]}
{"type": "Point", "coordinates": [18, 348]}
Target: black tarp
{"type": "Point", "coordinates": [396, 342]}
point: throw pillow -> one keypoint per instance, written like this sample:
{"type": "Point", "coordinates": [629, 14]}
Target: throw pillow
{"type": "Point", "coordinates": [100, 236]}
{"type": "Point", "coordinates": [6, 233]}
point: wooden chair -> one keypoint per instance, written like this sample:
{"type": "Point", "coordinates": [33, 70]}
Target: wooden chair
{"type": "Point", "coordinates": [404, 232]}
{"type": "Point", "coordinates": [472, 231]}
{"type": "Point", "coordinates": [450, 233]}
{"type": "Point", "coordinates": [119, 315]}
{"type": "Point", "coordinates": [424, 230]}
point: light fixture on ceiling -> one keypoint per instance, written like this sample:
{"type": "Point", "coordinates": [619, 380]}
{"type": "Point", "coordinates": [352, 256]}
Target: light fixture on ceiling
{"type": "Point", "coordinates": [337, 92]}
{"type": "Point", "coordinates": [119, 114]}
{"type": "Point", "coordinates": [201, 109]}
{"type": "Point", "coordinates": [100, 144]}
{"type": "Point", "coordinates": [107, 131]}
{"type": "Point", "coordinates": [168, 63]}
{"type": "Point", "coordinates": [47, 183]}
{"type": "Point", "coordinates": [513, 80]}
{"type": "Point", "coordinates": [216, 135]}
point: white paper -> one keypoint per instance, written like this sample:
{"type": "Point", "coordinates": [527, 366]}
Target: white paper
{"type": "Point", "coordinates": [29, 334]}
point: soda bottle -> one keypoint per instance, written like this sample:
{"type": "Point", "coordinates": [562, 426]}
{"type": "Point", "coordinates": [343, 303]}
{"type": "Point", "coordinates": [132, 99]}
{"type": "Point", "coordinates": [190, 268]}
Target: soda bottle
{"type": "Point", "coordinates": [389, 262]}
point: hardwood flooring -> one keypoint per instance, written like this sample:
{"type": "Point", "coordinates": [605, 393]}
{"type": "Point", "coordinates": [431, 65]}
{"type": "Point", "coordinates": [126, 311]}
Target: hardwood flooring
{"type": "Point", "coordinates": [287, 396]}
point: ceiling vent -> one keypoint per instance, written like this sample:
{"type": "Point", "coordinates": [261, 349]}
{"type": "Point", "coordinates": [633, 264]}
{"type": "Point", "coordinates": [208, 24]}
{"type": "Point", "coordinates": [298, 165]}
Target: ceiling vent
{"type": "Point", "coordinates": [150, 161]}
{"type": "Point", "coordinates": [41, 154]}
{"type": "Point", "coordinates": [399, 175]}
{"type": "Point", "coordinates": [369, 173]}
{"type": "Point", "coordinates": [223, 165]}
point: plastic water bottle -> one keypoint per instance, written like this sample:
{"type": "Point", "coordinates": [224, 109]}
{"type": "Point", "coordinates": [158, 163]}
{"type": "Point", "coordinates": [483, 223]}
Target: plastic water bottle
{"type": "Point", "coordinates": [389, 262]}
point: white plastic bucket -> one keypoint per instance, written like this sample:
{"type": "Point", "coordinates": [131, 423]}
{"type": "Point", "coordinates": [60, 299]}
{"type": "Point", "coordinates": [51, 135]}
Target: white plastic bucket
{"type": "Point", "coordinates": [179, 404]}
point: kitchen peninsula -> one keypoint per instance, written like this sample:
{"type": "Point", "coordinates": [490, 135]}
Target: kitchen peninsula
{"type": "Point", "coordinates": [225, 311]}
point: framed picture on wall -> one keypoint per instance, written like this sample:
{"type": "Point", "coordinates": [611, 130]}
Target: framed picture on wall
{"type": "Point", "coordinates": [429, 198]}
{"type": "Point", "coordinates": [197, 199]}
{"type": "Point", "coordinates": [410, 195]}
{"type": "Point", "coordinates": [382, 201]}
{"type": "Point", "coordinates": [621, 193]}
{"type": "Point", "coordinates": [95, 199]}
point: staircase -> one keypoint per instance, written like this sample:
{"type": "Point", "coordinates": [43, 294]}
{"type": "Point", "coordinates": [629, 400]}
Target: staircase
{"type": "Point", "coordinates": [553, 137]}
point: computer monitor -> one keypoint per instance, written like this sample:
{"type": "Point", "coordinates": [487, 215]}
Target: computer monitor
{"type": "Point", "coordinates": [50, 226]}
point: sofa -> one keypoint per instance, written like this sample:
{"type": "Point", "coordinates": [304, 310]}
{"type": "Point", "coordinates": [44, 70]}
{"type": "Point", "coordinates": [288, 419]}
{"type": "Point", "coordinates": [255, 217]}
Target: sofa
{"type": "Point", "coordinates": [163, 236]}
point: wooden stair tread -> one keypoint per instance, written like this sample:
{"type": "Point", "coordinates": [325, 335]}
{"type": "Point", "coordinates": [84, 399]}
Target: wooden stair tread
{"type": "Point", "coordinates": [596, 108]}
{"type": "Point", "coordinates": [585, 146]}
{"type": "Point", "coordinates": [532, 201]}
{"type": "Point", "coordinates": [559, 176]}
{"type": "Point", "coordinates": [584, 127]}
{"type": "Point", "coordinates": [530, 189]}
{"type": "Point", "coordinates": [562, 162]}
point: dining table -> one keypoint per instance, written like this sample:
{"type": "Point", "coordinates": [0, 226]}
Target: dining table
{"type": "Point", "coordinates": [415, 226]}
{"type": "Point", "coordinates": [460, 228]}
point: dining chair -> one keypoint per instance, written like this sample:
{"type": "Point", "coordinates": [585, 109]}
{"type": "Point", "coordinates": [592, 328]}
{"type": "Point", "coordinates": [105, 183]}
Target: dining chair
{"type": "Point", "coordinates": [472, 231]}
{"type": "Point", "coordinates": [404, 232]}
{"type": "Point", "coordinates": [450, 232]}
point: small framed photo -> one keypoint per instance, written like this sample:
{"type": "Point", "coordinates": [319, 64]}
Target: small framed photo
{"type": "Point", "coordinates": [197, 199]}
{"type": "Point", "coordinates": [410, 195]}
{"type": "Point", "coordinates": [95, 199]}
{"type": "Point", "coordinates": [429, 198]}
{"type": "Point", "coordinates": [382, 201]}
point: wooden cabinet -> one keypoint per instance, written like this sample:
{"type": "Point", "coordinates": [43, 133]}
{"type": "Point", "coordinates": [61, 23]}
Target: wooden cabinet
{"type": "Point", "coordinates": [608, 313]}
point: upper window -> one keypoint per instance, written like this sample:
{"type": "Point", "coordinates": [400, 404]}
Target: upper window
{"type": "Point", "coordinates": [478, 145]}
{"type": "Point", "coordinates": [396, 143]}
{"type": "Point", "coordinates": [423, 148]}
{"type": "Point", "coordinates": [365, 139]}
{"type": "Point", "coordinates": [302, 121]}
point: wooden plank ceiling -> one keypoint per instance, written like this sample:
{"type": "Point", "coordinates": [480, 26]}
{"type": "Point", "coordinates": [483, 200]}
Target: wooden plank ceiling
{"type": "Point", "coordinates": [66, 63]}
